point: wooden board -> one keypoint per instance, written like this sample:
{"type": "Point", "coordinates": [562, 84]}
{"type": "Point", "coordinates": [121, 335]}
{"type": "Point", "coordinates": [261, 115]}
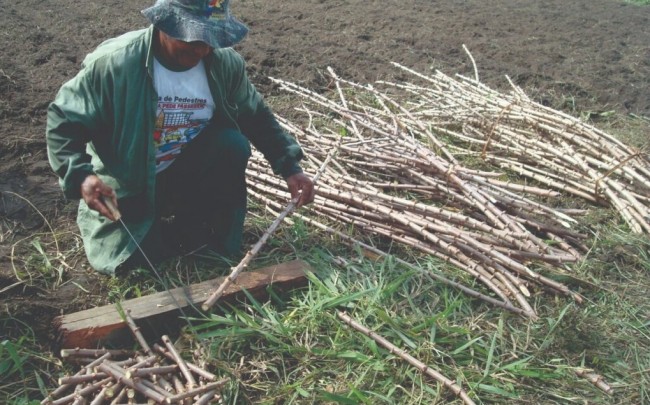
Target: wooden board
{"type": "Point", "coordinates": [158, 314]}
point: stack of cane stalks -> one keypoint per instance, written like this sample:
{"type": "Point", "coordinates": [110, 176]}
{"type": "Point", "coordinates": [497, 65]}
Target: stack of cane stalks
{"type": "Point", "coordinates": [538, 143]}
{"type": "Point", "coordinates": [400, 172]}
{"type": "Point", "coordinates": [157, 375]}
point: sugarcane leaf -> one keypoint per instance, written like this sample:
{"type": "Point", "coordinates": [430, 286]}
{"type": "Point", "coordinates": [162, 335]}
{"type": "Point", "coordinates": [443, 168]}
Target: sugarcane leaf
{"type": "Point", "coordinates": [339, 399]}
{"type": "Point", "coordinates": [264, 312]}
{"type": "Point", "coordinates": [409, 342]}
{"type": "Point", "coordinates": [41, 384]}
{"type": "Point", "coordinates": [466, 345]}
{"type": "Point", "coordinates": [255, 303]}
{"type": "Point", "coordinates": [10, 360]}
{"type": "Point", "coordinates": [391, 287]}
{"type": "Point", "coordinates": [496, 390]}
{"type": "Point", "coordinates": [490, 356]}
{"type": "Point", "coordinates": [359, 395]}
{"type": "Point", "coordinates": [315, 281]}
{"type": "Point", "coordinates": [302, 392]}
{"type": "Point", "coordinates": [515, 365]}
{"type": "Point", "coordinates": [372, 345]}
{"type": "Point", "coordinates": [353, 355]}
{"type": "Point", "coordinates": [395, 328]}
{"type": "Point", "coordinates": [345, 299]}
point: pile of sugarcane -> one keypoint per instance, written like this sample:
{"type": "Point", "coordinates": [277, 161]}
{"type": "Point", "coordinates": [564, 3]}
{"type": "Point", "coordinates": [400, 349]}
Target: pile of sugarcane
{"type": "Point", "coordinates": [159, 375]}
{"type": "Point", "coordinates": [536, 142]}
{"type": "Point", "coordinates": [402, 171]}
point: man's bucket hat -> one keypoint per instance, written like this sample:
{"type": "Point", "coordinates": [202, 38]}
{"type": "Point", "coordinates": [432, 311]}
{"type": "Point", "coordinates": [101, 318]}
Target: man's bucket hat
{"type": "Point", "coordinates": [208, 21]}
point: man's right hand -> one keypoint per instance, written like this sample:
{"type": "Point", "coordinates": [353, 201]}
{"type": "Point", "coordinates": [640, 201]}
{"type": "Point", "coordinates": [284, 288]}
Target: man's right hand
{"type": "Point", "coordinates": [94, 192]}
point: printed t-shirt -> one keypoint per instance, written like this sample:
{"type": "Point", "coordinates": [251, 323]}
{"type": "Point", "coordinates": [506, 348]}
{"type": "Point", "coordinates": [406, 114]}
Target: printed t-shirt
{"type": "Point", "coordinates": [185, 105]}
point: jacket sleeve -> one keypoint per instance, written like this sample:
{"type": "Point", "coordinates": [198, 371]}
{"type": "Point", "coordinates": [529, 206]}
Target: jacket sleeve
{"type": "Point", "coordinates": [257, 122]}
{"type": "Point", "coordinates": [71, 118]}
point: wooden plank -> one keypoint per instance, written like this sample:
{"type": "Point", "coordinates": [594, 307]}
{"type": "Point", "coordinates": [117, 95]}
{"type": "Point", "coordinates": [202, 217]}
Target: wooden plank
{"type": "Point", "coordinates": [103, 326]}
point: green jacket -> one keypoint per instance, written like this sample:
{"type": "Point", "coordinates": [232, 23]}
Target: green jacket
{"type": "Point", "coordinates": [102, 121]}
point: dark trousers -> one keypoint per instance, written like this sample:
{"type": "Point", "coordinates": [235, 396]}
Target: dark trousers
{"type": "Point", "coordinates": [200, 198]}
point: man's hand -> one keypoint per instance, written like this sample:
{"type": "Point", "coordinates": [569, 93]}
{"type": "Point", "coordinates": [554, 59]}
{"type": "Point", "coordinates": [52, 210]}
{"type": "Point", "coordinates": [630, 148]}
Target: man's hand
{"type": "Point", "coordinates": [94, 192]}
{"type": "Point", "coordinates": [301, 188]}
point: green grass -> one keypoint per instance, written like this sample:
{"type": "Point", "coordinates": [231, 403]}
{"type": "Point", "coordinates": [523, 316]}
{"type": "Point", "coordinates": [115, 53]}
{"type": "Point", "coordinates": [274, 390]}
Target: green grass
{"type": "Point", "coordinates": [25, 365]}
{"type": "Point", "coordinates": [639, 2]}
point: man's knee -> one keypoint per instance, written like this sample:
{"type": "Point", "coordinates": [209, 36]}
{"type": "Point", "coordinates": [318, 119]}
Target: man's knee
{"type": "Point", "coordinates": [232, 145]}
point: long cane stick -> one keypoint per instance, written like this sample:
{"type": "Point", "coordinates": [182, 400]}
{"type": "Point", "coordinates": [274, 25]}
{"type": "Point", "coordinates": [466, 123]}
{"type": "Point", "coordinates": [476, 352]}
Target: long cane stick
{"type": "Point", "coordinates": [258, 246]}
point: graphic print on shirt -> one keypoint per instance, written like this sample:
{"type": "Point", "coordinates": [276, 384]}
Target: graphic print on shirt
{"type": "Point", "coordinates": [175, 127]}
{"type": "Point", "coordinates": [185, 106]}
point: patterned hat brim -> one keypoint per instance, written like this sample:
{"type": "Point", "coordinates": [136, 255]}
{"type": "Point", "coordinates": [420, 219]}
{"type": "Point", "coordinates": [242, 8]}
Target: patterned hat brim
{"type": "Point", "coordinates": [187, 27]}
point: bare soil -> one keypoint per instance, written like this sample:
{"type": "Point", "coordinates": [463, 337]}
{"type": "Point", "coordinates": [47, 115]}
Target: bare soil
{"type": "Point", "coordinates": [580, 55]}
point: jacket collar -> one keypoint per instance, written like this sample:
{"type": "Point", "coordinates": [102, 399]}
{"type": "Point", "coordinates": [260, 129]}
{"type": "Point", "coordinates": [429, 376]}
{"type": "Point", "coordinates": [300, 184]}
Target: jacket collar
{"type": "Point", "coordinates": [148, 38]}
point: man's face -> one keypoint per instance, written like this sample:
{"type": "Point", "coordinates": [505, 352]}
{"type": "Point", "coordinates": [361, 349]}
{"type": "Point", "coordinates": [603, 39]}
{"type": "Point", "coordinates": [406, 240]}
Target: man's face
{"type": "Point", "coordinates": [180, 53]}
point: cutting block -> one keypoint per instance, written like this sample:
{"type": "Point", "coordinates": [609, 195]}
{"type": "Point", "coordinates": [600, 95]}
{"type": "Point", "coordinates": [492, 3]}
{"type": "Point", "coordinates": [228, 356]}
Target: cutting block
{"type": "Point", "coordinates": [158, 314]}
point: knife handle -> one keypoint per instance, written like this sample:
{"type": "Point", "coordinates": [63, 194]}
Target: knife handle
{"type": "Point", "coordinates": [112, 208]}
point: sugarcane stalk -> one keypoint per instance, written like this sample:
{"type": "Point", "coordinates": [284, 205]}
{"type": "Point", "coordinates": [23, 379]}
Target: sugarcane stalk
{"type": "Point", "coordinates": [178, 385]}
{"type": "Point", "coordinates": [451, 385]}
{"type": "Point", "coordinates": [136, 332]}
{"type": "Point", "coordinates": [151, 371]}
{"type": "Point", "coordinates": [191, 382]}
{"type": "Point", "coordinates": [80, 379]}
{"type": "Point", "coordinates": [64, 387]}
{"type": "Point", "coordinates": [206, 398]}
{"type": "Point", "coordinates": [484, 228]}
{"type": "Point", "coordinates": [79, 400]}
{"type": "Point", "coordinates": [121, 393]}
{"type": "Point", "coordinates": [141, 362]}
{"type": "Point", "coordinates": [101, 395]}
{"type": "Point", "coordinates": [95, 352]}
{"type": "Point", "coordinates": [119, 375]}
{"type": "Point", "coordinates": [96, 386]}
{"type": "Point", "coordinates": [344, 103]}
{"type": "Point", "coordinates": [596, 380]}
{"type": "Point", "coordinates": [164, 384]}
{"type": "Point", "coordinates": [149, 384]}
{"type": "Point", "coordinates": [198, 390]}
{"type": "Point", "coordinates": [243, 264]}
{"type": "Point", "coordinates": [112, 389]}
{"type": "Point", "coordinates": [437, 277]}
{"type": "Point", "coordinates": [193, 367]}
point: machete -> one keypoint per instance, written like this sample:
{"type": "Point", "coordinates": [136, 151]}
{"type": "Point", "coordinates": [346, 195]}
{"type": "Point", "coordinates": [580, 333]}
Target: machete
{"type": "Point", "coordinates": [118, 218]}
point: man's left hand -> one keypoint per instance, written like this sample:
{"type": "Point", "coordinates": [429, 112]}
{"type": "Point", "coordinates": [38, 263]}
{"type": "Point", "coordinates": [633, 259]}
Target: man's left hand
{"type": "Point", "coordinates": [301, 188]}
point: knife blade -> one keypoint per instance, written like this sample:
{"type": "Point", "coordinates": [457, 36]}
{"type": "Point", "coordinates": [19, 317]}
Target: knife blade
{"type": "Point", "coordinates": [118, 217]}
